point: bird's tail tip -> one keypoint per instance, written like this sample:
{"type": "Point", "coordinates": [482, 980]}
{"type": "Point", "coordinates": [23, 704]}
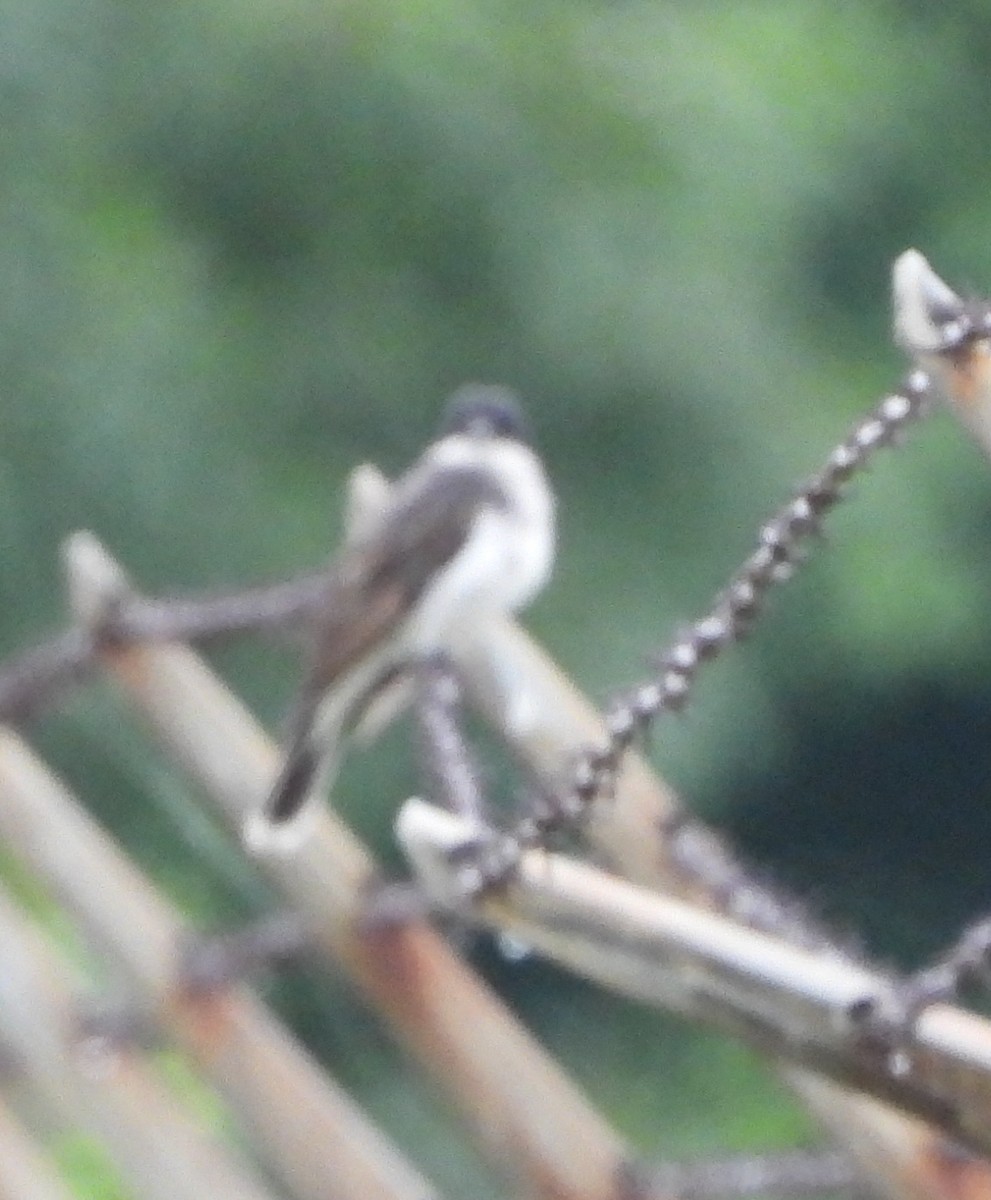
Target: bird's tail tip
{"type": "Point", "coordinates": [286, 818]}
{"type": "Point", "coordinates": [262, 835]}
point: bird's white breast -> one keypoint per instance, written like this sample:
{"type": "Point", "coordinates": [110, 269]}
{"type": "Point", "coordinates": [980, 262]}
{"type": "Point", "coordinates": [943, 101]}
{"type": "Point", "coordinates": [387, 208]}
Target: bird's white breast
{"type": "Point", "coordinates": [507, 554]}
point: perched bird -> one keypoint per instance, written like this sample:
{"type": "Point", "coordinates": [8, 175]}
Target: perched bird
{"type": "Point", "coordinates": [465, 534]}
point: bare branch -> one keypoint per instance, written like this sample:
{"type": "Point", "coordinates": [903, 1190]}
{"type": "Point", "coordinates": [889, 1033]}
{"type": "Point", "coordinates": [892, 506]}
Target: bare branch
{"type": "Point", "coordinates": [451, 774]}
{"type": "Point", "coordinates": [787, 1173]}
{"type": "Point", "coordinates": [39, 676]}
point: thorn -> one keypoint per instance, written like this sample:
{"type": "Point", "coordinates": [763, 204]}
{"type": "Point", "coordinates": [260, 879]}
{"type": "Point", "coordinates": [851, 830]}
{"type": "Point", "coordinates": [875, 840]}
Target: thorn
{"type": "Point", "coordinates": [96, 584]}
{"type": "Point", "coordinates": [366, 498]}
{"type": "Point", "coordinates": [929, 316]}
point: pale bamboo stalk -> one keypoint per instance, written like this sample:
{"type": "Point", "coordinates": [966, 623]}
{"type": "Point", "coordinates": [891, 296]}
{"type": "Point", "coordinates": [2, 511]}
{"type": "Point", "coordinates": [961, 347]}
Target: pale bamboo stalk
{"type": "Point", "coordinates": [521, 1106]}
{"type": "Point", "coordinates": [26, 1170]}
{"type": "Point", "coordinates": [547, 721]}
{"type": "Point", "coordinates": [792, 1003]}
{"type": "Point", "coordinates": [309, 1131]}
{"type": "Point", "coordinates": [157, 1145]}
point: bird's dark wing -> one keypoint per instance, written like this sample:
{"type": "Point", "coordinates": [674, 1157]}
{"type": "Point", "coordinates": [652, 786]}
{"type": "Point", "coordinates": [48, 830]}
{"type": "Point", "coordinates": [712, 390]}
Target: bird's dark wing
{"type": "Point", "coordinates": [371, 590]}
{"type": "Point", "coordinates": [380, 580]}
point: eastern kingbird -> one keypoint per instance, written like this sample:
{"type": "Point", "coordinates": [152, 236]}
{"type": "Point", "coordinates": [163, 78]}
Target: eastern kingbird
{"type": "Point", "coordinates": [465, 534]}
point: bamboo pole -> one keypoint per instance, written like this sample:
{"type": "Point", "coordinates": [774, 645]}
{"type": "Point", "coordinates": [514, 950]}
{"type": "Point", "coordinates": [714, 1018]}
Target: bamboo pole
{"type": "Point", "coordinates": [308, 1130]}
{"type": "Point", "coordinates": [519, 1103]}
{"type": "Point", "coordinates": [162, 1150]}
{"type": "Point", "coordinates": [795, 1004]}
{"type": "Point", "coordinates": [26, 1171]}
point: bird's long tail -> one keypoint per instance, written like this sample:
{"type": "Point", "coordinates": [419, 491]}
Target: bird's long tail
{"type": "Point", "coordinates": [310, 760]}
{"type": "Point", "coordinates": [295, 782]}
{"type": "Point", "coordinates": [361, 705]}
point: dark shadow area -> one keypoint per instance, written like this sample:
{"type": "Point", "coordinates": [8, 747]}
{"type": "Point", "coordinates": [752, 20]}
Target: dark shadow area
{"type": "Point", "coordinates": [882, 819]}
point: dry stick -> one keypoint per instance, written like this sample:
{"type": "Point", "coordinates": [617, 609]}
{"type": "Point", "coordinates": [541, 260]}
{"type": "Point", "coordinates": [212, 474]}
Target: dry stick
{"type": "Point", "coordinates": [314, 1138]}
{"type": "Point", "coordinates": [160, 1148]}
{"type": "Point", "coordinates": [800, 1006]}
{"type": "Point", "coordinates": [26, 1171]}
{"type": "Point", "coordinates": [518, 1102]}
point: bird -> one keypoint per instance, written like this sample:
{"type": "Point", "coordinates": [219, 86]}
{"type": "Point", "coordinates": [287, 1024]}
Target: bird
{"type": "Point", "coordinates": [467, 533]}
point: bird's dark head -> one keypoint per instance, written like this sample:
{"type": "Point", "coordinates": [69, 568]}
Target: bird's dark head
{"type": "Point", "coordinates": [485, 410]}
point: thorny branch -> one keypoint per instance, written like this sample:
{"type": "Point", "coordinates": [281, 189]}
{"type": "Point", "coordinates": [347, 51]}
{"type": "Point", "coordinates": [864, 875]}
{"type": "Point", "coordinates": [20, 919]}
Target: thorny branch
{"type": "Point", "coordinates": [938, 328]}
{"type": "Point", "coordinates": [945, 333]}
{"type": "Point", "coordinates": [37, 677]}
{"type": "Point", "coordinates": [782, 542]}
{"type": "Point", "coordinates": [967, 963]}
{"type": "Point", "coordinates": [451, 775]}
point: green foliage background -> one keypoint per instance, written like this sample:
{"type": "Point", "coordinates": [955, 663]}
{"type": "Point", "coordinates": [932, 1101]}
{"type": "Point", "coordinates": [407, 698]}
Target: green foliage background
{"type": "Point", "coordinates": [244, 246]}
